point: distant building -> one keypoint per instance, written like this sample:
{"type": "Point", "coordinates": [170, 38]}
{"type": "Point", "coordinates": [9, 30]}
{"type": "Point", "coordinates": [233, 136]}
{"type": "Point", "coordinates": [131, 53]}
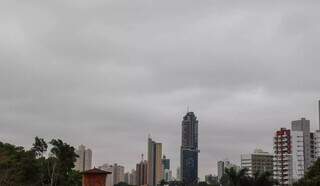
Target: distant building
{"type": "Point", "coordinates": [178, 174]}
{"type": "Point", "coordinates": [222, 165]}
{"type": "Point", "coordinates": [117, 173]}
{"type": "Point", "coordinates": [258, 161]}
{"type": "Point", "coordinates": [84, 161]}
{"type": "Point", "coordinates": [220, 169]}
{"type": "Point", "coordinates": [142, 172]}
{"type": "Point", "coordinates": [189, 149]}
{"type": "Point", "coordinates": [167, 173]}
{"type": "Point", "coordinates": [155, 170]}
{"type": "Point", "coordinates": [108, 168]}
{"type": "Point", "coordinates": [130, 177]}
{"type": "Point", "coordinates": [210, 179]}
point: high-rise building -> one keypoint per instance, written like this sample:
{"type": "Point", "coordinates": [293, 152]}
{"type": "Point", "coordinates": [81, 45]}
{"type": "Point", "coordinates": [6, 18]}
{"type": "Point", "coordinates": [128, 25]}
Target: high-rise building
{"type": "Point", "coordinates": [317, 144]}
{"type": "Point", "coordinates": [258, 161]}
{"type": "Point", "coordinates": [167, 173]}
{"type": "Point", "coordinates": [155, 169]}
{"type": "Point", "coordinates": [84, 161]}
{"type": "Point", "coordinates": [108, 168]}
{"type": "Point", "coordinates": [303, 125]}
{"type": "Point", "coordinates": [142, 173]}
{"type": "Point", "coordinates": [319, 112]}
{"type": "Point", "coordinates": [130, 177]}
{"type": "Point", "coordinates": [282, 167]}
{"type": "Point", "coordinates": [297, 150]}
{"type": "Point", "coordinates": [189, 149]}
{"type": "Point", "coordinates": [220, 169]}
{"type": "Point", "coordinates": [118, 173]}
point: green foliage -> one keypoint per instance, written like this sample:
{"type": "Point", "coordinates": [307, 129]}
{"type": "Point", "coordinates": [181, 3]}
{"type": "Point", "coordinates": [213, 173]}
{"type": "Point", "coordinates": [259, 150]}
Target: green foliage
{"type": "Point", "coordinates": [312, 177]}
{"type": "Point", "coordinates": [241, 178]}
{"type": "Point", "coordinates": [175, 183]}
{"type": "Point", "coordinates": [203, 183]}
{"type": "Point", "coordinates": [20, 167]}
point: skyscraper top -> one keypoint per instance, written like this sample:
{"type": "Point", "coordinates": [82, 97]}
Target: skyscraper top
{"type": "Point", "coordinates": [189, 116]}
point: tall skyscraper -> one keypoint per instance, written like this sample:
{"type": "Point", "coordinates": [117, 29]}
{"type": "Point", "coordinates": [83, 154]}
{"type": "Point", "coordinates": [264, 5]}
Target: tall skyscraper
{"type": "Point", "coordinates": [189, 149]}
{"type": "Point", "coordinates": [84, 160]}
{"type": "Point", "coordinates": [155, 169]}
{"type": "Point", "coordinates": [142, 173]}
{"type": "Point", "coordinates": [258, 161]}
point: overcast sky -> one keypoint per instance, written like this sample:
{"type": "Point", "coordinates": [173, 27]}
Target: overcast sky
{"type": "Point", "coordinates": [106, 73]}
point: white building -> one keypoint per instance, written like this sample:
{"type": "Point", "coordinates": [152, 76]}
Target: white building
{"type": "Point", "coordinates": [317, 143]}
{"type": "Point", "coordinates": [84, 161]}
{"type": "Point", "coordinates": [109, 168]}
{"type": "Point", "coordinates": [297, 145]}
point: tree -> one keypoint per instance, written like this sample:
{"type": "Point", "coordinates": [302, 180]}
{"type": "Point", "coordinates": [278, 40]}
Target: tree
{"type": "Point", "coordinates": [20, 167]}
{"type": "Point", "coordinates": [241, 178]}
{"type": "Point", "coordinates": [17, 166]}
{"type": "Point", "coordinates": [232, 177]}
{"type": "Point", "coordinates": [39, 147]}
{"type": "Point", "coordinates": [263, 179]}
{"type": "Point", "coordinates": [62, 160]}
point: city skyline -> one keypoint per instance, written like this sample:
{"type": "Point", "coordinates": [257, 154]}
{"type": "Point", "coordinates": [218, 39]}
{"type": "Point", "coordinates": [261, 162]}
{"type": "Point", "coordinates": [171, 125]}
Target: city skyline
{"type": "Point", "coordinates": [108, 73]}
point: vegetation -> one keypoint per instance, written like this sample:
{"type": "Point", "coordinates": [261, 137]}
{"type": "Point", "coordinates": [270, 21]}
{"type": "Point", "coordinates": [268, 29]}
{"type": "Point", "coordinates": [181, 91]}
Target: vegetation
{"type": "Point", "coordinates": [20, 167]}
{"type": "Point", "coordinates": [312, 177]}
{"type": "Point", "coordinates": [241, 178]}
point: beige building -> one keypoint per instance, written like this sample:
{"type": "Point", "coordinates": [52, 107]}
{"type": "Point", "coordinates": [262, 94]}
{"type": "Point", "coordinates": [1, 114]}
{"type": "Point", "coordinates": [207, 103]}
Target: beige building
{"type": "Point", "coordinates": [258, 161]}
{"type": "Point", "coordinates": [155, 167]}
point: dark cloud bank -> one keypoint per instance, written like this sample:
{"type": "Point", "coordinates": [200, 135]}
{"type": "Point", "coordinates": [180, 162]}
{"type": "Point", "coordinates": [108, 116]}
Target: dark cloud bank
{"type": "Point", "coordinates": [107, 73]}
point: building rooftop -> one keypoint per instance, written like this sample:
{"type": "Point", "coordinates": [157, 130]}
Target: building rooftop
{"type": "Point", "coordinates": [96, 171]}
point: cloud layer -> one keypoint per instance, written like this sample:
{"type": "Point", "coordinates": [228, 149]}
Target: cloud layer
{"type": "Point", "coordinates": [108, 73]}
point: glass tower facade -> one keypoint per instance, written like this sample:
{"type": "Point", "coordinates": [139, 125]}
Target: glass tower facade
{"type": "Point", "coordinates": [189, 149]}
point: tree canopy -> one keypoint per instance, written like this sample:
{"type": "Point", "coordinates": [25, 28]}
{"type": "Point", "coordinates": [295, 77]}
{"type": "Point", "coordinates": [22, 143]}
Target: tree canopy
{"type": "Point", "coordinates": [20, 167]}
{"type": "Point", "coordinates": [232, 177]}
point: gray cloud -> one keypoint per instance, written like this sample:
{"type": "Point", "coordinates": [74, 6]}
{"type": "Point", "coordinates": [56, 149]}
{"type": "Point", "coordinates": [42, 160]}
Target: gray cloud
{"type": "Point", "coordinates": [108, 73]}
